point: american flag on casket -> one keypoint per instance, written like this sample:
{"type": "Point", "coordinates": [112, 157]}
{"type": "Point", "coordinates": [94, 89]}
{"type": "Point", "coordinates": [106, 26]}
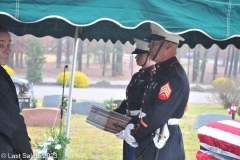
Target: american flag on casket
{"type": "Point", "coordinates": [219, 141]}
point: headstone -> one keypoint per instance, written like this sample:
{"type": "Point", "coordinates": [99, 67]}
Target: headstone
{"type": "Point", "coordinates": [85, 107]}
{"type": "Point", "coordinates": [52, 101]}
{"type": "Point", "coordinates": [41, 116]}
{"type": "Point", "coordinates": [118, 102]}
{"type": "Point", "coordinates": [24, 103]}
{"type": "Point", "coordinates": [204, 119]}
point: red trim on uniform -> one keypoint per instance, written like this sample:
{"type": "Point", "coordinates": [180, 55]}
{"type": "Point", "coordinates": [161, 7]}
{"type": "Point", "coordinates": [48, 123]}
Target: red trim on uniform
{"type": "Point", "coordinates": [165, 91]}
{"type": "Point", "coordinates": [143, 123]}
{"type": "Point", "coordinates": [135, 131]}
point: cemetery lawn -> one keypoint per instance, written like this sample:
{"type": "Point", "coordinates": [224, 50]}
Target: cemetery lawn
{"type": "Point", "coordinates": [90, 143]}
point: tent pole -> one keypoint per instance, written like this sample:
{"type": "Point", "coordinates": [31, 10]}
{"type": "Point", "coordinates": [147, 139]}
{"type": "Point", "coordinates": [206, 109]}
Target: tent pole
{"type": "Point", "coordinates": [74, 58]}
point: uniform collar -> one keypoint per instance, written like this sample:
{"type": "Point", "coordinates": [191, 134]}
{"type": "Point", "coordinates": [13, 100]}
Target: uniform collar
{"type": "Point", "coordinates": [166, 63]}
{"type": "Point", "coordinates": [146, 70]}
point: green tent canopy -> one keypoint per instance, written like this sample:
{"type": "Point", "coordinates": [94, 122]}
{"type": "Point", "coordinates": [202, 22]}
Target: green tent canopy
{"type": "Point", "coordinates": [203, 22]}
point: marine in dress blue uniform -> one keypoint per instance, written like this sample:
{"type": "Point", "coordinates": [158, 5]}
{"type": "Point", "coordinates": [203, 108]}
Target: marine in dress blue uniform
{"type": "Point", "coordinates": [135, 89]}
{"type": "Point", "coordinates": [157, 133]}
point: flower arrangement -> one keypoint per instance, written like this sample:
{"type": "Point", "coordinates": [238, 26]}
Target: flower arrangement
{"type": "Point", "coordinates": [54, 145]}
{"type": "Point", "coordinates": [110, 104]}
{"type": "Point", "coordinates": [74, 99]}
{"type": "Point", "coordinates": [33, 101]}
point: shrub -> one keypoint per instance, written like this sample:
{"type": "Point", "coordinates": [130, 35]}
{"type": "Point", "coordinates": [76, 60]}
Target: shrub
{"type": "Point", "coordinates": [9, 70]}
{"type": "Point", "coordinates": [198, 88]}
{"type": "Point", "coordinates": [34, 59]}
{"type": "Point", "coordinates": [225, 92]}
{"type": "Point", "coordinates": [103, 82]}
{"type": "Point", "coordinates": [80, 79]}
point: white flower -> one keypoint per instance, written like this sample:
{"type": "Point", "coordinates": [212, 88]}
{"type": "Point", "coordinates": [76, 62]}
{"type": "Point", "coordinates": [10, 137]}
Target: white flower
{"type": "Point", "coordinates": [42, 151]}
{"type": "Point", "coordinates": [50, 139]}
{"type": "Point", "coordinates": [58, 146]}
{"type": "Point", "coordinates": [45, 144]}
{"type": "Point", "coordinates": [50, 158]}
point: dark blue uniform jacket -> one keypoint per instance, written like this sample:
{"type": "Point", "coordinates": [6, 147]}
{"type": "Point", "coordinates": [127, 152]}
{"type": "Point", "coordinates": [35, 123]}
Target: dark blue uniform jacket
{"type": "Point", "coordinates": [135, 91]}
{"type": "Point", "coordinates": [165, 97]}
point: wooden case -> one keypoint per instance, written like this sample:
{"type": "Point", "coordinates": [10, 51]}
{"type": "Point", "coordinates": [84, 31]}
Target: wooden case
{"type": "Point", "coordinates": [107, 120]}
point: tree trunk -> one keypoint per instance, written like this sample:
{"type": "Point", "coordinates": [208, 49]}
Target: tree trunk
{"type": "Point", "coordinates": [88, 55]}
{"type": "Point", "coordinates": [114, 72]}
{"type": "Point", "coordinates": [197, 60]}
{"type": "Point", "coordinates": [67, 60]}
{"type": "Point", "coordinates": [188, 65]}
{"type": "Point", "coordinates": [104, 59]}
{"type": "Point", "coordinates": [203, 66]}
{"type": "Point", "coordinates": [79, 58]}
{"type": "Point", "coordinates": [235, 67]}
{"type": "Point", "coordinates": [59, 53]}
{"type": "Point", "coordinates": [215, 62]}
{"type": "Point", "coordinates": [10, 60]}
{"type": "Point", "coordinates": [231, 63]}
{"type": "Point", "coordinates": [194, 74]}
{"type": "Point", "coordinates": [21, 60]}
{"type": "Point", "coordinates": [227, 60]}
{"type": "Point", "coordinates": [17, 60]}
{"type": "Point", "coordinates": [119, 58]}
{"type": "Point", "coordinates": [131, 62]}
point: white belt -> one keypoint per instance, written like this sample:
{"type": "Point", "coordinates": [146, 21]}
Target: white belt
{"type": "Point", "coordinates": [173, 121]}
{"type": "Point", "coordinates": [132, 113]}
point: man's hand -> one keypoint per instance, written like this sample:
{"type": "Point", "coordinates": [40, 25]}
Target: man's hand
{"type": "Point", "coordinates": [126, 135]}
{"type": "Point", "coordinates": [121, 134]}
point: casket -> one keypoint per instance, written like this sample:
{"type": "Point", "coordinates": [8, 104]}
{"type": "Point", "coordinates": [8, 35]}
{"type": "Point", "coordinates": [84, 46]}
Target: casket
{"type": "Point", "coordinates": [219, 140]}
{"type": "Point", "coordinates": [107, 120]}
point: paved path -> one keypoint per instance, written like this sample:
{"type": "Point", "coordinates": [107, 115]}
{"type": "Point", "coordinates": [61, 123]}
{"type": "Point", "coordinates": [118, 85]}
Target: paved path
{"type": "Point", "coordinates": [100, 94]}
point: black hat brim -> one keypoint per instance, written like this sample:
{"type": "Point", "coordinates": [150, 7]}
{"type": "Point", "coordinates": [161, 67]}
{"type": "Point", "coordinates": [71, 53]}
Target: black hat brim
{"type": "Point", "coordinates": [139, 51]}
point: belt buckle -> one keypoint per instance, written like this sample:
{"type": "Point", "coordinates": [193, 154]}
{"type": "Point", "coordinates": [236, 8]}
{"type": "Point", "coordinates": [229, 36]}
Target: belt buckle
{"type": "Point", "coordinates": [128, 112]}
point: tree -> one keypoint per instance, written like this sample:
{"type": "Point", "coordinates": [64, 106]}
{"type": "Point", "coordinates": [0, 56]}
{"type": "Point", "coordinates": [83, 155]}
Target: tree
{"type": "Point", "coordinates": [215, 62]}
{"type": "Point", "coordinates": [231, 63]}
{"type": "Point", "coordinates": [67, 60]}
{"type": "Point", "coordinates": [17, 49]}
{"type": "Point", "coordinates": [225, 92]}
{"type": "Point", "coordinates": [88, 55]}
{"type": "Point", "coordinates": [235, 66]}
{"type": "Point", "coordinates": [104, 67]}
{"type": "Point", "coordinates": [59, 53]}
{"type": "Point", "coordinates": [114, 67]}
{"type": "Point", "coordinates": [227, 61]}
{"type": "Point", "coordinates": [203, 66]}
{"type": "Point", "coordinates": [195, 67]}
{"type": "Point", "coordinates": [119, 58]}
{"type": "Point", "coordinates": [34, 59]}
{"type": "Point", "coordinates": [79, 55]}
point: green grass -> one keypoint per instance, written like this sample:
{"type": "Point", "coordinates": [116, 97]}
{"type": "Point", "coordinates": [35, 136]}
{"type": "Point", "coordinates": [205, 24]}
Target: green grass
{"type": "Point", "coordinates": [91, 143]}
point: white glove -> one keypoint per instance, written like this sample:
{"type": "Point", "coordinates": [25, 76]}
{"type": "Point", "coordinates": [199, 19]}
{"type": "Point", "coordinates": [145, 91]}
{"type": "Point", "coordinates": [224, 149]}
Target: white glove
{"type": "Point", "coordinates": [121, 134]}
{"type": "Point", "coordinates": [126, 135]}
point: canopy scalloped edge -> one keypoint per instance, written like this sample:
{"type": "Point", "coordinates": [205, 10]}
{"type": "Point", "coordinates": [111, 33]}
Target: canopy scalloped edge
{"type": "Point", "coordinates": [119, 24]}
{"type": "Point", "coordinates": [106, 29]}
